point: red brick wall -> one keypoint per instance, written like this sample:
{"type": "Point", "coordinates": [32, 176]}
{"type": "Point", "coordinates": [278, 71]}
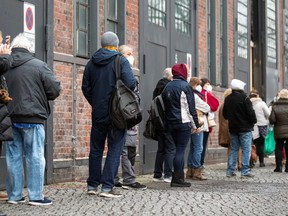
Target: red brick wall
{"type": "Point", "coordinates": [63, 26]}
{"type": "Point", "coordinates": [71, 110]}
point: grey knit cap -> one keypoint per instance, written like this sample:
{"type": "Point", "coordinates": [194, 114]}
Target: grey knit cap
{"type": "Point", "coordinates": [109, 39]}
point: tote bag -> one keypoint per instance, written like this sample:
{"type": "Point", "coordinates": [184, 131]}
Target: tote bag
{"type": "Point", "coordinates": [269, 146]}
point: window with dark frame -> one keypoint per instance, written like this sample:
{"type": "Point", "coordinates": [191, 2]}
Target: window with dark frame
{"type": "Point", "coordinates": [112, 16]}
{"type": "Point", "coordinates": [82, 28]}
{"type": "Point", "coordinates": [157, 12]}
{"type": "Point", "coordinates": [242, 27]}
{"type": "Point", "coordinates": [271, 32]}
{"type": "Point", "coordinates": [183, 16]}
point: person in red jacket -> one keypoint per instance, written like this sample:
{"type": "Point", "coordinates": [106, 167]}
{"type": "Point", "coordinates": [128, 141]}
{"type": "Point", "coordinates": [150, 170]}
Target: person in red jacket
{"type": "Point", "coordinates": [213, 102]}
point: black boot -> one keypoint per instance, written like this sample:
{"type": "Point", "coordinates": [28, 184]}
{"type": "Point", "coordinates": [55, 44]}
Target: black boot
{"type": "Point", "coordinates": [278, 155]}
{"type": "Point", "coordinates": [178, 180]}
{"type": "Point", "coordinates": [286, 166]}
{"type": "Point", "coordinates": [278, 169]}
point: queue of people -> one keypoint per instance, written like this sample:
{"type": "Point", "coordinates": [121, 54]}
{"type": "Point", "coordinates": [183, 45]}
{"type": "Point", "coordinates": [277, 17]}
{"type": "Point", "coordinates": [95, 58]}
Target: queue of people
{"type": "Point", "coordinates": [190, 107]}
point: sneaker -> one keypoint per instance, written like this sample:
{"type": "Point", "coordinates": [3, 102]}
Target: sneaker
{"type": "Point", "coordinates": [118, 184]}
{"type": "Point", "coordinates": [248, 175]}
{"type": "Point", "coordinates": [92, 191]}
{"type": "Point", "coordinates": [161, 179]}
{"type": "Point", "coordinates": [42, 202]}
{"type": "Point", "coordinates": [231, 175]}
{"type": "Point", "coordinates": [110, 194]}
{"type": "Point", "coordinates": [135, 185]}
{"type": "Point", "coordinates": [2, 214]}
{"type": "Point", "coordinates": [22, 200]}
{"type": "Point", "coordinates": [168, 180]}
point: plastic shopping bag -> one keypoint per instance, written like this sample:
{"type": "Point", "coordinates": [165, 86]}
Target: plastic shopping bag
{"type": "Point", "coordinates": [269, 146]}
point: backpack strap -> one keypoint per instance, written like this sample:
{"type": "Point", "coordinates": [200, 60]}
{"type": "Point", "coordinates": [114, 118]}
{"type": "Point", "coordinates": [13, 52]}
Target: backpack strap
{"type": "Point", "coordinates": [117, 67]}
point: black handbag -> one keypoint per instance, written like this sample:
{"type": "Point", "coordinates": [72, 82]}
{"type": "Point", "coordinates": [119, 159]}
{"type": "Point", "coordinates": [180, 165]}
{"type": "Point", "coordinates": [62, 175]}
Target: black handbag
{"type": "Point", "coordinates": [6, 132]}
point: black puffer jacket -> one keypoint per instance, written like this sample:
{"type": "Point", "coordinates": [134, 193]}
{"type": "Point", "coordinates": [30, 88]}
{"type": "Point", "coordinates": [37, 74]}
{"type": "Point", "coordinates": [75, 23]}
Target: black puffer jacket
{"type": "Point", "coordinates": [31, 85]}
{"type": "Point", "coordinates": [279, 118]}
{"type": "Point", "coordinates": [239, 112]}
{"type": "Point", "coordinates": [160, 86]}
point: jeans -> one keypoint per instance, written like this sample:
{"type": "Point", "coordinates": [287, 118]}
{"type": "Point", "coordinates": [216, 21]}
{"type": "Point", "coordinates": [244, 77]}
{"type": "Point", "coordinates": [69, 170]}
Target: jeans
{"type": "Point", "coordinates": [181, 135]}
{"type": "Point", "coordinates": [243, 140]}
{"type": "Point", "coordinates": [127, 162]}
{"type": "Point", "coordinates": [29, 141]}
{"type": "Point", "coordinates": [165, 154]}
{"type": "Point", "coordinates": [115, 140]}
{"type": "Point", "coordinates": [196, 148]}
{"type": "Point", "coordinates": [205, 142]}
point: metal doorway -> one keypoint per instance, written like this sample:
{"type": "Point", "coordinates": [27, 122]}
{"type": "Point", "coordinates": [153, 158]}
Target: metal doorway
{"type": "Point", "coordinates": [165, 39]}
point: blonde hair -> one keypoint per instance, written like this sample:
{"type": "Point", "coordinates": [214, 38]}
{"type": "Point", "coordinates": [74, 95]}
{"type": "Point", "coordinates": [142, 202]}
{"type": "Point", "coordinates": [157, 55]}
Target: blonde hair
{"type": "Point", "coordinates": [283, 94]}
{"type": "Point", "coordinates": [195, 81]}
{"type": "Point", "coordinates": [227, 92]}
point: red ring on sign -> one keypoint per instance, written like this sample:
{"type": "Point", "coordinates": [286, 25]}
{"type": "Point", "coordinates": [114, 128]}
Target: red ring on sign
{"type": "Point", "coordinates": [29, 18]}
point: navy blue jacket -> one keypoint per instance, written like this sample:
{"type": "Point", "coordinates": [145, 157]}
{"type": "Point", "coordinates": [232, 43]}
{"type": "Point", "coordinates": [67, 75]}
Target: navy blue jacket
{"type": "Point", "coordinates": [99, 81]}
{"type": "Point", "coordinates": [179, 102]}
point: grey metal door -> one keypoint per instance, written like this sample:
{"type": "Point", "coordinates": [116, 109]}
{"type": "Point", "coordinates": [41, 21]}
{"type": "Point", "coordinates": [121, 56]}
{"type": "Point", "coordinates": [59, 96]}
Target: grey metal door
{"type": "Point", "coordinates": [12, 23]}
{"type": "Point", "coordinates": [242, 41]}
{"type": "Point", "coordinates": [161, 46]}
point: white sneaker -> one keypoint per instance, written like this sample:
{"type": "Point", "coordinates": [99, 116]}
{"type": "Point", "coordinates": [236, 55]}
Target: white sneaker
{"type": "Point", "coordinates": [111, 194]}
{"type": "Point", "coordinates": [158, 179]}
{"type": "Point", "coordinates": [168, 180]}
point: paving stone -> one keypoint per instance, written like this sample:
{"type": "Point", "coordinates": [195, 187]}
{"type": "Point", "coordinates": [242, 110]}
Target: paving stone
{"type": "Point", "coordinates": [265, 194]}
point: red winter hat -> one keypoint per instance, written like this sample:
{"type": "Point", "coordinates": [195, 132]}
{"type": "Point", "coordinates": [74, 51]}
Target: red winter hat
{"type": "Point", "coordinates": [180, 70]}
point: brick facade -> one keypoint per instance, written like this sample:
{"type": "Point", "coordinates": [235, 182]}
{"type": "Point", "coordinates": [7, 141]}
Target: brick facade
{"type": "Point", "coordinates": [72, 113]}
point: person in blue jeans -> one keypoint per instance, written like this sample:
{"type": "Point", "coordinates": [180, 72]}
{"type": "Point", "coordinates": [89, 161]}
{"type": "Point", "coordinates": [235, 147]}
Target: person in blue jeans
{"type": "Point", "coordinates": [31, 84]}
{"type": "Point", "coordinates": [196, 147]}
{"type": "Point", "coordinates": [239, 112]}
{"type": "Point", "coordinates": [181, 118]}
{"type": "Point", "coordinates": [97, 86]}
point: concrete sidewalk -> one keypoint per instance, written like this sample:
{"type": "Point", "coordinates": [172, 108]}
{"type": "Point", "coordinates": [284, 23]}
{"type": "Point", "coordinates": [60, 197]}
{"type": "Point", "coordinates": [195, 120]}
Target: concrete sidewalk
{"type": "Point", "coordinates": [265, 194]}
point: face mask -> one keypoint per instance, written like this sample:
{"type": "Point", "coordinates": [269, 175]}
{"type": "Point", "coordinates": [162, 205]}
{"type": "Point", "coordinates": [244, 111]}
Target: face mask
{"type": "Point", "coordinates": [131, 60]}
{"type": "Point", "coordinates": [209, 88]}
{"type": "Point", "coordinates": [198, 88]}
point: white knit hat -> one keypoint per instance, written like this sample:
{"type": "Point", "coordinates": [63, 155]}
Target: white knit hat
{"type": "Point", "coordinates": [237, 84]}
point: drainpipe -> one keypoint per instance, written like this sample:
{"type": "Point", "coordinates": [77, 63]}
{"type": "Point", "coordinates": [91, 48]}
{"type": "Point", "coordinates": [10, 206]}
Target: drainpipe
{"type": "Point", "coordinates": [73, 138]}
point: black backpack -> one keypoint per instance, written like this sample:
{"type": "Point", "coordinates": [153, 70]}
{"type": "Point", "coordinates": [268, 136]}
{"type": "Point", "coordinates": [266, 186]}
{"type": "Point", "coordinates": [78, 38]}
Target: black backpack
{"type": "Point", "coordinates": [156, 122]}
{"type": "Point", "coordinates": [124, 109]}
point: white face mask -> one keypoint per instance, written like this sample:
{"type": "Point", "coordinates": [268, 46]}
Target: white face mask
{"type": "Point", "coordinates": [209, 88]}
{"type": "Point", "coordinates": [131, 60]}
{"type": "Point", "coordinates": [198, 88]}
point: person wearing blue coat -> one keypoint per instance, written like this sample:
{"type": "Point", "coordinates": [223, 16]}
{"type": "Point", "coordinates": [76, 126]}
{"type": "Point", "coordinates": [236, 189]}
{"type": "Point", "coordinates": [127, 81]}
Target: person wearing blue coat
{"type": "Point", "coordinates": [97, 86]}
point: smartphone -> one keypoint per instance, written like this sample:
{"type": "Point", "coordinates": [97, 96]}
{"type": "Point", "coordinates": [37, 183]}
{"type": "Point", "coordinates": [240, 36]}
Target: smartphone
{"type": "Point", "coordinates": [7, 39]}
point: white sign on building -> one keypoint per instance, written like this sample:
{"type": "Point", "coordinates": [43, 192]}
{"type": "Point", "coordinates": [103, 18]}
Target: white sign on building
{"type": "Point", "coordinates": [29, 23]}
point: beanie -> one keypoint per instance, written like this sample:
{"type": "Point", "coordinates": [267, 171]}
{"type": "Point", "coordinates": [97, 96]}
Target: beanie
{"type": "Point", "coordinates": [237, 84]}
{"type": "Point", "coordinates": [180, 70]}
{"type": "Point", "coordinates": [109, 39]}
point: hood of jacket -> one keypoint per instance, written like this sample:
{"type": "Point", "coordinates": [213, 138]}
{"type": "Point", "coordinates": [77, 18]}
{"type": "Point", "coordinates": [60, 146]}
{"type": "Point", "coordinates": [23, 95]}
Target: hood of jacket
{"type": "Point", "coordinates": [103, 56]}
{"type": "Point", "coordinates": [255, 100]}
{"type": "Point", "coordinates": [20, 56]}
